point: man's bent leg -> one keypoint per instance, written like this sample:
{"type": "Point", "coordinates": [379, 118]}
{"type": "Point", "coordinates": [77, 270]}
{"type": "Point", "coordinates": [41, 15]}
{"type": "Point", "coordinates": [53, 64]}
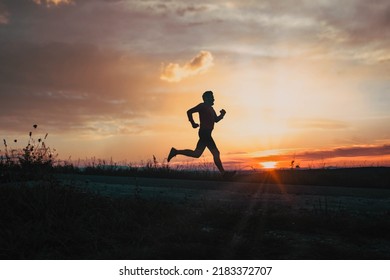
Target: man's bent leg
{"type": "Point", "coordinates": [189, 153]}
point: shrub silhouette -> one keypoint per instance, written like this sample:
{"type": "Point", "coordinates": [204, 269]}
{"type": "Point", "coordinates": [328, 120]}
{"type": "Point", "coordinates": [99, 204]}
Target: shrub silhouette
{"type": "Point", "coordinates": [31, 161]}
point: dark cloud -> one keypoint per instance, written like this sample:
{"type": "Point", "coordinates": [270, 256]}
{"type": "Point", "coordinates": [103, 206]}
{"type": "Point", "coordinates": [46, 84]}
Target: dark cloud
{"type": "Point", "coordinates": [347, 30]}
{"type": "Point", "coordinates": [359, 23]}
{"type": "Point", "coordinates": [354, 23]}
{"type": "Point", "coordinates": [174, 8]}
{"type": "Point", "coordinates": [350, 152]}
{"type": "Point", "coordinates": [344, 152]}
{"type": "Point", "coordinates": [191, 9]}
{"type": "Point", "coordinates": [73, 84]}
{"type": "Point", "coordinates": [62, 66]}
{"type": "Point", "coordinates": [97, 22]}
{"type": "Point", "coordinates": [4, 16]}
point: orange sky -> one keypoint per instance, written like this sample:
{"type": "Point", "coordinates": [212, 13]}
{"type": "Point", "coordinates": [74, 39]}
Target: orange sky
{"type": "Point", "coordinates": [300, 80]}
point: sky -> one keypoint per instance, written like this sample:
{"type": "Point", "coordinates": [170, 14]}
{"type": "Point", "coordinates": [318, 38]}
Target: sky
{"type": "Point", "coordinates": [301, 80]}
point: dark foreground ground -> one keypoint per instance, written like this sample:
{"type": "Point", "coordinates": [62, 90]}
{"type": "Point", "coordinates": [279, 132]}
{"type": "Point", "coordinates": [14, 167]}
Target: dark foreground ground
{"type": "Point", "coordinates": [100, 217]}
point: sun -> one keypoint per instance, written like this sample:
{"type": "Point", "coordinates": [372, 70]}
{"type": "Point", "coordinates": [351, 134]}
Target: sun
{"type": "Point", "coordinates": [268, 164]}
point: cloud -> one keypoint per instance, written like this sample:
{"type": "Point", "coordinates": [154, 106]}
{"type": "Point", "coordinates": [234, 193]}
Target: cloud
{"type": "Point", "coordinates": [52, 2]}
{"type": "Point", "coordinates": [173, 8]}
{"type": "Point", "coordinates": [4, 16]}
{"type": "Point", "coordinates": [182, 11]}
{"type": "Point", "coordinates": [350, 152]}
{"type": "Point", "coordinates": [342, 152]}
{"type": "Point", "coordinates": [72, 86]}
{"type": "Point", "coordinates": [3, 19]}
{"type": "Point", "coordinates": [261, 28]}
{"type": "Point", "coordinates": [173, 72]}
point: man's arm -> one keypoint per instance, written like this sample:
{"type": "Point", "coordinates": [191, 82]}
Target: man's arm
{"type": "Point", "coordinates": [220, 117]}
{"type": "Point", "coordinates": [190, 118]}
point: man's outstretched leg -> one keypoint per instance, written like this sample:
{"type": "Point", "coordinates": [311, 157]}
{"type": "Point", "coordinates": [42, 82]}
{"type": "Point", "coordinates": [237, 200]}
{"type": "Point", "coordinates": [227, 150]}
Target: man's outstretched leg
{"type": "Point", "coordinates": [189, 153]}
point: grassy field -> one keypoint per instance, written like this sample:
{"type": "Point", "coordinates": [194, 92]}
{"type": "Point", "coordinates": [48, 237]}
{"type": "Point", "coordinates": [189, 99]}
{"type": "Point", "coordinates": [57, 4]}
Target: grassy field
{"type": "Point", "coordinates": [53, 220]}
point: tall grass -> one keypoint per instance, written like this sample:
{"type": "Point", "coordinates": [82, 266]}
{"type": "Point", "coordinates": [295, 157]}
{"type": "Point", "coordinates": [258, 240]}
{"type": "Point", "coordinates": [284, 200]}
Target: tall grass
{"type": "Point", "coordinates": [33, 160]}
{"type": "Point", "coordinates": [149, 168]}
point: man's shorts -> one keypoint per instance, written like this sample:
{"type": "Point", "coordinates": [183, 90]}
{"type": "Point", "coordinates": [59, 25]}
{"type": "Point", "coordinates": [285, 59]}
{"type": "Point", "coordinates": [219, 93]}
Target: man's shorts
{"type": "Point", "coordinates": [205, 139]}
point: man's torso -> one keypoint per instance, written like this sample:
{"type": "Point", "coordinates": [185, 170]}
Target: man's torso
{"type": "Point", "coordinates": [206, 116]}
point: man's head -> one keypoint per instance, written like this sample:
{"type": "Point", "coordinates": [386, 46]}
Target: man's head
{"type": "Point", "coordinates": [208, 97]}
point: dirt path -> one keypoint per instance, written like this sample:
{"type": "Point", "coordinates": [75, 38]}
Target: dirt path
{"type": "Point", "coordinates": [296, 197]}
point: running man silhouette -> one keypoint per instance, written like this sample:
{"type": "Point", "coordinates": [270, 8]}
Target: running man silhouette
{"type": "Point", "coordinates": [207, 117]}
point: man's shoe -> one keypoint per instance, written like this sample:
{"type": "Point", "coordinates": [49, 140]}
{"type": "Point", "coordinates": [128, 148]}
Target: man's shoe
{"type": "Point", "coordinates": [172, 154]}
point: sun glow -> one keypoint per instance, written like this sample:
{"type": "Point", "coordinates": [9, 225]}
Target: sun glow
{"type": "Point", "coordinates": [269, 164]}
